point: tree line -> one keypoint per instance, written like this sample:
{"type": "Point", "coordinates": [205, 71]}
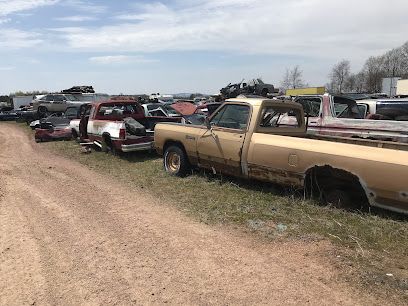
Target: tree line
{"type": "Point", "coordinates": [393, 63]}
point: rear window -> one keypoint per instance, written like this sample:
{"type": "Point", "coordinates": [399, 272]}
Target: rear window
{"type": "Point", "coordinates": [118, 110]}
{"type": "Point", "coordinates": [275, 117]}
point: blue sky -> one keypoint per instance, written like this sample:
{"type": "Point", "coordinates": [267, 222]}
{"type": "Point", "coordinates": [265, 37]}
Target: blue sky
{"type": "Point", "coordinates": [187, 46]}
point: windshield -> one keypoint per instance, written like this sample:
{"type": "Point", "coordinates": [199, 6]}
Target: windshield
{"type": "Point", "coordinates": [71, 111]}
{"type": "Point", "coordinates": [171, 111]}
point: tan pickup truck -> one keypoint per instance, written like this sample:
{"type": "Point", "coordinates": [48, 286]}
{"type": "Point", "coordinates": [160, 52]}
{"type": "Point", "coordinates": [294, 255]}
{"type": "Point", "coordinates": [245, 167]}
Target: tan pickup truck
{"type": "Point", "coordinates": [250, 138]}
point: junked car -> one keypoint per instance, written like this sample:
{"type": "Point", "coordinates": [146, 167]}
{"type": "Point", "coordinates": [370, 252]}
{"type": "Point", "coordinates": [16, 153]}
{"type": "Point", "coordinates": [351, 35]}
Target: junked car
{"type": "Point", "coordinates": [247, 138]}
{"type": "Point", "coordinates": [7, 114]}
{"type": "Point", "coordinates": [47, 132]}
{"type": "Point", "coordinates": [340, 116]}
{"type": "Point", "coordinates": [52, 103]}
{"type": "Point", "coordinates": [117, 126]}
{"type": "Point", "coordinates": [385, 109]}
{"type": "Point", "coordinates": [58, 119]}
{"type": "Point", "coordinates": [253, 86]}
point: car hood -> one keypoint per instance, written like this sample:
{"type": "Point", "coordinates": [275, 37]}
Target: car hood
{"type": "Point", "coordinates": [184, 108]}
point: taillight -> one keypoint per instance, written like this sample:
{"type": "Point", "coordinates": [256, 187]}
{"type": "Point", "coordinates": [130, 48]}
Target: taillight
{"type": "Point", "coordinates": [122, 133]}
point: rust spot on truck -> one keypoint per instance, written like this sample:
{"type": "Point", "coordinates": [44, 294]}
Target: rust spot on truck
{"type": "Point", "coordinates": [278, 176]}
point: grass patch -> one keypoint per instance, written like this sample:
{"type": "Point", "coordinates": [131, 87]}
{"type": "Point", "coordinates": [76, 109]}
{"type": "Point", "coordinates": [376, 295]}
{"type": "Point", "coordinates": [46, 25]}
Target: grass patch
{"type": "Point", "coordinates": [375, 243]}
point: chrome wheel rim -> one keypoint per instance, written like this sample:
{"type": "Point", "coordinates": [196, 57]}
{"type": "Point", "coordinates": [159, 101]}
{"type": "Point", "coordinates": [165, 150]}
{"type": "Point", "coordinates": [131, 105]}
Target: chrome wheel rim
{"type": "Point", "coordinates": [173, 162]}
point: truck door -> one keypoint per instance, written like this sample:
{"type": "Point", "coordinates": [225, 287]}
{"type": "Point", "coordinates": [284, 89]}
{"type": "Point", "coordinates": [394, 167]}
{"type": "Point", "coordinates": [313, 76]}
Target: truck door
{"type": "Point", "coordinates": [220, 147]}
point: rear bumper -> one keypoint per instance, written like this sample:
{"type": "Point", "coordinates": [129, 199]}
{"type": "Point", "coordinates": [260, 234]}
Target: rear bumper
{"type": "Point", "coordinates": [137, 147]}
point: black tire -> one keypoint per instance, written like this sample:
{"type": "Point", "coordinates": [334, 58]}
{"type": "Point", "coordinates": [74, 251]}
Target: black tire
{"type": "Point", "coordinates": [264, 92]}
{"type": "Point", "coordinates": [75, 135]}
{"type": "Point", "coordinates": [42, 111]}
{"type": "Point", "coordinates": [175, 161]}
{"type": "Point", "coordinates": [108, 146]}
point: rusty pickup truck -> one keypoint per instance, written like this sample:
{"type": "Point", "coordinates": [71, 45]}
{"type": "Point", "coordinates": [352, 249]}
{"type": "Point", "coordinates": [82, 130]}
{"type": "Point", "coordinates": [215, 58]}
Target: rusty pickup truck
{"type": "Point", "coordinates": [342, 116]}
{"type": "Point", "coordinates": [247, 138]}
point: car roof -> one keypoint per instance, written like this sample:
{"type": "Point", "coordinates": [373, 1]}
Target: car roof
{"type": "Point", "coordinates": [259, 101]}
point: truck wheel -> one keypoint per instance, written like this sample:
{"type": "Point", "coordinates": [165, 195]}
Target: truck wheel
{"type": "Point", "coordinates": [42, 111]}
{"type": "Point", "coordinates": [75, 135]}
{"type": "Point", "coordinates": [108, 146]}
{"type": "Point", "coordinates": [175, 161]}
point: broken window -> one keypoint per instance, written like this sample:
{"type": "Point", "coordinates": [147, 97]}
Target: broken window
{"type": "Point", "coordinates": [311, 105]}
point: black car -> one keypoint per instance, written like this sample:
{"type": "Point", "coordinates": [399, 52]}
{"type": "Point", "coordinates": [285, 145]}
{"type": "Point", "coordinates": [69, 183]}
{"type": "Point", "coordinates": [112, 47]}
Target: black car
{"type": "Point", "coordinates": [7, 114]}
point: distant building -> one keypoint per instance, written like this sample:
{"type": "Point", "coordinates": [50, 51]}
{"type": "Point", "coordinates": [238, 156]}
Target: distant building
{"type": "Point", "coordinates": [389, 86]}
{"type": "Point", "coordinates": [21, 100]}
{"type": "Point", "coordinates": [305, 91]}
{"type": "Point", "coordinates": [402, 88]}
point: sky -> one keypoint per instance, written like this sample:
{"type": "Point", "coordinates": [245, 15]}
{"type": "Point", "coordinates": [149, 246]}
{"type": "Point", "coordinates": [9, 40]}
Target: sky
{"type": "Point", "coordinates": [177, 46]}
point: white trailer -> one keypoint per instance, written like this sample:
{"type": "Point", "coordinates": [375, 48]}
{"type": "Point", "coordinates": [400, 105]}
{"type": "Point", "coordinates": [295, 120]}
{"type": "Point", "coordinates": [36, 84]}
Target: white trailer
{"type": "Point", "coordinates": [402, 88]}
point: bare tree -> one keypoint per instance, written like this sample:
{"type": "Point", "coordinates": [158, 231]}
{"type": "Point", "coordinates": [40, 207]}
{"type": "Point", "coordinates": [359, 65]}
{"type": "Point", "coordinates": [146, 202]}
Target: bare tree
{"type": "Point", "coordinates": [360, 81]}
{"type": "Point", "coordinates": [285, 84]}
{"type": "Point", "coordinates": [293, 78]}
{"type": "Point", "coordinates": [373, 74]}
{"type": "Point", "coordinates": [338, 76]}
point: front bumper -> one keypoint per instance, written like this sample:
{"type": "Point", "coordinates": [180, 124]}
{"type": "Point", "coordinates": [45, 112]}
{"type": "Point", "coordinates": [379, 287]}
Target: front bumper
{"type": "Point", "coordinates": [138, 147]}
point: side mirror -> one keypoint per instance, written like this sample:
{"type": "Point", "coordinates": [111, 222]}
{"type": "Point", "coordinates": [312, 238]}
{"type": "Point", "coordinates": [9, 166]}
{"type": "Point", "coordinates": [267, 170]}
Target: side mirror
{"type": "Point", "coordinates": [207, 123]}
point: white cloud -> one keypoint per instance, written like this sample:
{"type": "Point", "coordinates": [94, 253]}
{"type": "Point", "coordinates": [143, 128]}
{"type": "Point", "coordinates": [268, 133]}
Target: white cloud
{"type": "Point", "coordinates": [7, 68]}
{"type": "Point", "coordinates": [15, 39]}
{"type": "Point", "coordinates": [86, 6]}
{"type": "Point", "coordinates": [119, 59]}
{"type": "Point", "coordinates": [75, 18]}
{"type": "Point", "coordinates": [294, 27]}
{"type": "Point", "coordinates": [12, 6]}
{"type": "Point", "coordinates": [4, 20]}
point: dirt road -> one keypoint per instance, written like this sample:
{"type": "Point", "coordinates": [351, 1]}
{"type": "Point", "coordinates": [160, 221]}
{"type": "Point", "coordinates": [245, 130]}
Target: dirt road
{"type": "Point", "coordinates": [69, 236]}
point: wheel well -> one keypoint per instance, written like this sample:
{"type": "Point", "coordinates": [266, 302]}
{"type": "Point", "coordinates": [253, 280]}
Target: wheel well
{"type": "Point", "coordinates": [320, 177]}
{"type": "Point", "coordinates": [175, 143]}
{"type": "Point", "coordinates": [169, 143]}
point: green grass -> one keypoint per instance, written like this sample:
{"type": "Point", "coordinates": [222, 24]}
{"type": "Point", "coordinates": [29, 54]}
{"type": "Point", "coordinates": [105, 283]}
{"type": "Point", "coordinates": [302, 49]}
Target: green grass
{"type": "Point", "coordinates": [375, 242]}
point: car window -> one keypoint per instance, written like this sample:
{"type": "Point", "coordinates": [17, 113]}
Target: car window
{"type": "Point", "coordinates": [49, 98]}
{"type": "Point", "coordinates": [118, 110]}
{"type": "Point", "coordinates": [346, 110]}
{"type": "Point", "coordinates": [70, 97]}
{"type": "Point", "coordinates": [274, 117]}
{"type": "Point", "coordinates": [59, 98]}
{"type": "Point", "coordinates": [311, 106]}
{"type": "Point", "coordinates": [363, 110]}
{"type": "Point", "coordinates": [232, 116]}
